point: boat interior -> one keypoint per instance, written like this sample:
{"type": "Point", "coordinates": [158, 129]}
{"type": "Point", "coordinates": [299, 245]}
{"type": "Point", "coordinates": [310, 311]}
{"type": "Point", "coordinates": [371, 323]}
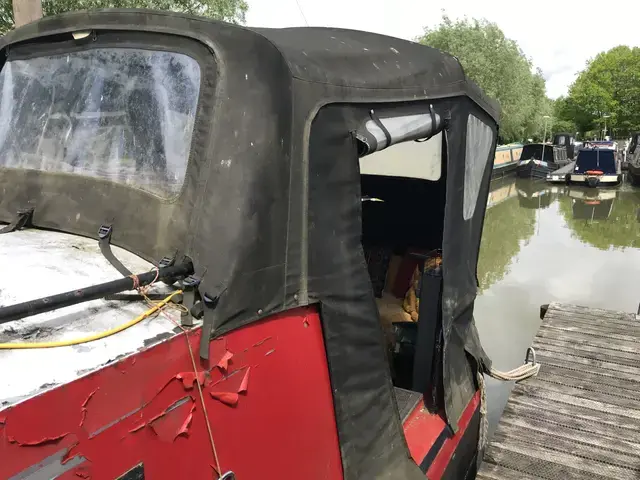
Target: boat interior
{"type": "Point", "coordinates": [399, 247]}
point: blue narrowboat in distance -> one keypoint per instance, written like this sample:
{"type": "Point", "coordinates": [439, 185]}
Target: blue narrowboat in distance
{"type": "Point", "coordinates": [596, 167]}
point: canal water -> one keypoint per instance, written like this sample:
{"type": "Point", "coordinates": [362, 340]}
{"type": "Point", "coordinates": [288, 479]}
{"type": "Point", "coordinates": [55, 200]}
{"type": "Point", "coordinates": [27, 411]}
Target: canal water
{"type": "Point", "coordinates": [543, 243]}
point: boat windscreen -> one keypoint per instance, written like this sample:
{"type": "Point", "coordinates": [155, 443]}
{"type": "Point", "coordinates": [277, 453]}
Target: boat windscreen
{"type": "Point", "coordinates": [120, 114]}
{"type": "Point", "coordinates": [596, 160]}
{"type": "Point", "coordinates": [534, 152]}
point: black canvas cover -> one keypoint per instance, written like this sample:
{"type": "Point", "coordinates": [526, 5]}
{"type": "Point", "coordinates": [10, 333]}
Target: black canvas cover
{"type": "Point", "coordinates": [596, 159]}
{"type": "Point", "coordinates": [270, 206]}
{"type": "Point", "coordinates": [533, 151]}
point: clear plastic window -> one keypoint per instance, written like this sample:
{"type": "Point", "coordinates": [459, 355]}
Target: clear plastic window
{"type": "Point", "coordinates": [124, 115]}
{"type": "Point", "coordinates": [407, 159]}
{"type": "Point", "coordinates": [479, 141]}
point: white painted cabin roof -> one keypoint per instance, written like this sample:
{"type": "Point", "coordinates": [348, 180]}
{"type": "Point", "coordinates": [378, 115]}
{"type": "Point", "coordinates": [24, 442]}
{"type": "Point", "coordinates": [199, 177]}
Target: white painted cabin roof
{"type": "Point", "coordinates": [37, 263]}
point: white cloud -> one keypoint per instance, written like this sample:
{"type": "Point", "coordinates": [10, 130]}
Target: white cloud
{"type": "Point", "coordinates": [556, 34]}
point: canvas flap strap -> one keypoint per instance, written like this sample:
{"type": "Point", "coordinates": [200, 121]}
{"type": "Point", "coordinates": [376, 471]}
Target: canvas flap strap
{"type": "Point", "coordinates": [22, 220]}
{"type": "Point", "coordinates": [104, 241]}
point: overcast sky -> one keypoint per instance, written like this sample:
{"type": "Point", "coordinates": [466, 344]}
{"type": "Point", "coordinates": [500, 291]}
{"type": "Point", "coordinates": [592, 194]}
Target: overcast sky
{"type": "Point", "coordinates": [553, 33]}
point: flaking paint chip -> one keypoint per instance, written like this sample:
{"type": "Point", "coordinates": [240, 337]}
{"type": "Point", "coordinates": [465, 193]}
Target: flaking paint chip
{"type": "Point", "coordinates": [244, 385]}
{"type": "Point", "coordinates": [228, 398]}
{"type": "Point", "coordinates": [223, 363]}
{"type": "Point", "coordinates": [189, 379]}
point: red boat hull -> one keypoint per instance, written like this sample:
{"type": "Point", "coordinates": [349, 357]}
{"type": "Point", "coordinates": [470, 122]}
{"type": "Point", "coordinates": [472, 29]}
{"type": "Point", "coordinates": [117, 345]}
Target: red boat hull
{"type": "Point", "coordinates": [270, 410]}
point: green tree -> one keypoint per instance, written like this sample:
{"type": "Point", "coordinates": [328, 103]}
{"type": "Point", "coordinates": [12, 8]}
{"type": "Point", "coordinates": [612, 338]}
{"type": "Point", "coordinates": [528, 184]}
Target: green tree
{"type": "Point", "coordinates": [563, 116]}
{"type": "Point", "coordinates": [500, 68]}
{"type": "Point", "coordinates": [610, 84]}
{"type": "Point", "coordinates": [228, 10]}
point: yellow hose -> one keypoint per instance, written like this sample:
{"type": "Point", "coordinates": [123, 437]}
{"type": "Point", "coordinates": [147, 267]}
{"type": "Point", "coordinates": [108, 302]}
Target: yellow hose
{"type": "Point", "coordinates": [91, 338]}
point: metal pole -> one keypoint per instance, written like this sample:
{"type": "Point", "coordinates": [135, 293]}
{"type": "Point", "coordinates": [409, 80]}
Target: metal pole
{"type": "Point", "coordinates": [544, 138]}
{"type": "Point", "coordinates": [26, 11]}
{"type": "Point", "coordinates": [93, 292]}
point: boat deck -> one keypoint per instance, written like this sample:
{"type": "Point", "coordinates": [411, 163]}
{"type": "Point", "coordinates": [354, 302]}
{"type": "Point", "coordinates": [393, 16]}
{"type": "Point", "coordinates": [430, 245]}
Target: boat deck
{"type": "Point", "coordinates": [561, 173]}
{"type": "Point", "coordinates": [580, 417]}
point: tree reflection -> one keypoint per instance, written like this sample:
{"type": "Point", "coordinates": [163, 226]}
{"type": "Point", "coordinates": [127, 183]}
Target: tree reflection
{"type": "Point", "coordinates": [601, 221]}
{"type": "Point", "coordinates": [507, 227]}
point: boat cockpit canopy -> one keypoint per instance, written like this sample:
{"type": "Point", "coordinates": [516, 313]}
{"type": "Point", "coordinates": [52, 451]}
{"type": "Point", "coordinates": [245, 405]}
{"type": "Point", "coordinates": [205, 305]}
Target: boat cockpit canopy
{"type": "Point", "coordinates": [239, 149]}
{"type": "Point", "coordinates": [596, 159]}
{"type": "Point", "coordinates": [534, 151]}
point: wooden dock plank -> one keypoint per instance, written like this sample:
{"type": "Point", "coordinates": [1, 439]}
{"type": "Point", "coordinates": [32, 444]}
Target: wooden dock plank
{"type": "Point", "coordinates": [580, 417]}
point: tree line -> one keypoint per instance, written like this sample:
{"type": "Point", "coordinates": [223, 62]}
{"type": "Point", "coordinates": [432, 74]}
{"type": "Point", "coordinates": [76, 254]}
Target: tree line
{"type": "Point", "coordinates": [228, 10]}
{"type": "Point", "coordinates": [500, 67]}
{"type": "Point", "coordinates": [609, 86]}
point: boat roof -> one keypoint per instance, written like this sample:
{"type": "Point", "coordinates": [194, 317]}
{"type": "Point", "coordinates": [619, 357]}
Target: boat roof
{"type": "Point", "coordinates": [348, 58]}
{"type": "Point", "coordinates": [46, 263]}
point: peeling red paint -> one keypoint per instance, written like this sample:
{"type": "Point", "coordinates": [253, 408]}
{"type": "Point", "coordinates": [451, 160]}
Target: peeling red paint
{"type": "Point", "coordinates": [184, 429]}
{"type": "Point", "coordinates": [3, 420]}
{"type": "Point", "coordinates": [82, 472]}
{"type": "Point", "coordinates": [244, 385]}
{"type": "Point", "coordinates": [227, 389]}
{"type": "Point", "coordinates": [269, 352]}
{"type": "Point", "coordinates": [68, 456]}
{"type": "Point", "coordinates": [133, 395]}
{"type": "Point", "coordinates": [257, 344]}
{"type": "Point", "coordinates": [40, 441]}
{"type": "Point", "coordinates": [228, 398]}
{"type": "Point", "coordinates": [174, 421]}
{"type": "Point", "coordinates": [84, 406]}
{"type": "Point", "coordinates": [189, 378]}
{"type": "Point", "coordinates": [223, 363]}
{"type": "Point", "coordinates": [305, 323]}
{"type": "Point", "coordinates": [138, 427]}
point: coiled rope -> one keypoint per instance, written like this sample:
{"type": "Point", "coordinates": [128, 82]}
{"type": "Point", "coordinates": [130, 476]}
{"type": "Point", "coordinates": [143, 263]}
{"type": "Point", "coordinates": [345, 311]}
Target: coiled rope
{"type": "Point", "coordinates": [529, 369]}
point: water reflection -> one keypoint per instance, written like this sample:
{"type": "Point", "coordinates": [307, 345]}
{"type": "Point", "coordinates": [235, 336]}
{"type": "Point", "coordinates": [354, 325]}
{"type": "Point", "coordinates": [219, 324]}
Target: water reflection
{"type": "Point", "coordinates": [506, 228]}
{"type": "Point", "coordinates": [545, 243]}
{"type": "Point", "coordinates": [533, 195]}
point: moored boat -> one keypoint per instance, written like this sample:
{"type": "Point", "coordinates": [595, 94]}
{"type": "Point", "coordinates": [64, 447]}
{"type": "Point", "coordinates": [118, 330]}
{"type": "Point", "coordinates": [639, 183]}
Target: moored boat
{"type": "Point", "coordinates": [596, 167]}
{"type": "Point", "coordinates": [199, 243]}
{"type": "Point", "coordinates": [567, 140]}
{"type": "Point", "coordinates": [537, 160]}
{"type": "Point", "coordinates": [633, 160]}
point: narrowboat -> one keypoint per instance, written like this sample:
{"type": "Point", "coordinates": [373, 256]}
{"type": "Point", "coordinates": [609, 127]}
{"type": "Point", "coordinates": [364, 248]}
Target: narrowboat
{"type": "Point", "coordinates": [193, 286]}
{"type": "Point", "coordinates": [537, 160]}
{"type": "Point", "coordinates": [567, 140]}
{"type": "Point", "coordinates": [596, 167]}
{"type": "Point", "coordinates": [506, 160]}
{"type": "Point", "coordinates": [633, 160]}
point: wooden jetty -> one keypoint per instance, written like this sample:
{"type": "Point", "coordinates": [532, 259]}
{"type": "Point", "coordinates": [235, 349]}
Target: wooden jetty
{"type": "Point", "coordinates": [580, 417]}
